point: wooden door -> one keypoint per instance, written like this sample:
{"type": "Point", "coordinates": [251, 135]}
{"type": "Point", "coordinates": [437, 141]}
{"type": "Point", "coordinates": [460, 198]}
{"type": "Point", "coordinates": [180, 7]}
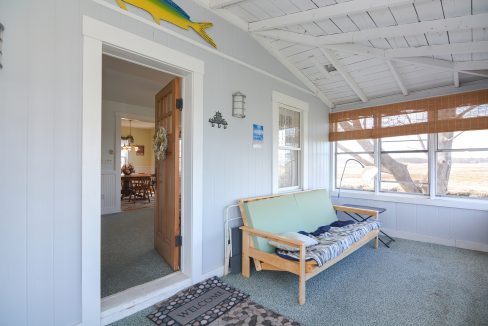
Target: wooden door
{"type": "Point", "coordinates": [167, 212]}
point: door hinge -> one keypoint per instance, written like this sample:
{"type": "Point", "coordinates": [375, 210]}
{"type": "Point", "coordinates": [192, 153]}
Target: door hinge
{"type": "Point", "coordinates": [179, 104]}
{"type": "Point", "coordinates": [179, 240]}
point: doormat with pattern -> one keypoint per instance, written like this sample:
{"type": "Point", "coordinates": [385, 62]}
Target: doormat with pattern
{"type": "Point", "coordinates": [214, 302]}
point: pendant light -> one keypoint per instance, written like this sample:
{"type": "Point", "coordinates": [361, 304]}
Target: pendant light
{"type": "Point", "coordinates": [130, 140]}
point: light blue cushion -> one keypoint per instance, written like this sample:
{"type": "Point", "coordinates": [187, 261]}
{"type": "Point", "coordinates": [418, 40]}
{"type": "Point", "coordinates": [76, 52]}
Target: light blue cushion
{"type": "Point", "coordinates": [304, 211]}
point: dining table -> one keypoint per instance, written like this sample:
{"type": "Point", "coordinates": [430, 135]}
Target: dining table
{"type": "Point", "coordinates": [136, 186]}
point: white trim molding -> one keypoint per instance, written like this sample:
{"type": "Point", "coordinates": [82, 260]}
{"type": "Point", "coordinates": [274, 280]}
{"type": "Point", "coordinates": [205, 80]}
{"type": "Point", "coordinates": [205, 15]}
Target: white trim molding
{"type": "Point", "coordinates": [100, 38]}
{"type": "Point", "coordinates": [279, 99]}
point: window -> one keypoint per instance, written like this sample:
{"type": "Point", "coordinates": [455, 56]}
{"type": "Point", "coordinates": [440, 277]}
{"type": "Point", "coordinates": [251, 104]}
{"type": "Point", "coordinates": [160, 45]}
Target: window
{"type": "Point", "coordinates": [462, 164]}
{"type": "Point", "coordinates": [405, 164]}
{"type": "Point", "coordinates": [361, 150]}
{"type": "Point", "coordinates": [289, 148]}
{"type": "Point", "coordinates": [460, 167]}
{"type": "Point", "coordinates": [289, 142]}
{"type": "Point", "coordinates": [429, 147]}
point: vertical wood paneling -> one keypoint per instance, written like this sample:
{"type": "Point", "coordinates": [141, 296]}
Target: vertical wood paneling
{"type": "Point", "coordinates": [108, 192]}
{"type": "Point", "coordinates": [40, 114]}
{"type": "Point", "coordinates": [406, 217]}
{"type": "Point", "coordinates": [458, 227]}
{"type": "Point", "coordinates": [13, 196]}
{"type": "Point", "coordinates": [67, 184]}
{"type": "Point", "coordinates": [40, 170]}
{"type": "Point", "coordinates": [233, 169]}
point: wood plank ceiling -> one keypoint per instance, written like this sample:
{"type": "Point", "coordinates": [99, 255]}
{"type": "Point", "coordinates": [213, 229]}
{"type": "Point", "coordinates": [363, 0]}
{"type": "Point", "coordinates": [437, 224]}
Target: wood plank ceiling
{"type": "Point", "coordinates": [357, 50]}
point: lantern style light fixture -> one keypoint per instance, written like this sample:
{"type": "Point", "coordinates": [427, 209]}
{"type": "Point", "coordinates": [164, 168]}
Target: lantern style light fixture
{"type": "Point", "coordinates": [238, 105]}
{"type": "Point", "coordinates": [130, 140]}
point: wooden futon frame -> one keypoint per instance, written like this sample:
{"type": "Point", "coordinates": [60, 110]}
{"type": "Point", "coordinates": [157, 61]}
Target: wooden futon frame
{"type": "Point", "coordinates": [304, 269]}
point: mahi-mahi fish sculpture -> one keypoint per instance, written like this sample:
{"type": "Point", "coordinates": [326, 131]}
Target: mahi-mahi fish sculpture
{"type": "Point", "coordinates": [169, 11]}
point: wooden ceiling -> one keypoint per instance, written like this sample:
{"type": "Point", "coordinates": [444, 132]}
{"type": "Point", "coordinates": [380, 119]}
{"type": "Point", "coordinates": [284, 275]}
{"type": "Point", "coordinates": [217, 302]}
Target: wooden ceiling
{"type": "Point", "coordinates": [348, 52]}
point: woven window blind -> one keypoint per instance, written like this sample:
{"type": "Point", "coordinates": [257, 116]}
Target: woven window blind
{"type": "Point", "coordinates": [457, 112]}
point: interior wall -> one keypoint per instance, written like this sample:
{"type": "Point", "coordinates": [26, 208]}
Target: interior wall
{"type": "Point", "coordinates": [40, 118]}
{"type": "Point", "coordinates": [233, 169]}
{"type": "Point", "coordinates": [457, 227]}
{"type": "Point", "coordinates": [40, 110]}
{"type": "Point", "coordinates": [111, 146]}
{"type": "Point", "coordinates": [142, 137]}
{"type": "Point", "coordinates": [110, 178]}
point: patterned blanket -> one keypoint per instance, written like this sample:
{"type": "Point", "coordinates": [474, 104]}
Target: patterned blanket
{"type": "Point", "coordinates": [333, 242]}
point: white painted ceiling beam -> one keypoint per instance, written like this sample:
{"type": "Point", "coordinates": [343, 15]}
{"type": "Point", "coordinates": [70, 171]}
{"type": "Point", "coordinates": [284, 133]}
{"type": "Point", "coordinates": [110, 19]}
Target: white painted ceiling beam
{"type": "Point", "coordinates": [440, 25]}
{"type": "Point", "coordinates": [439, 64]}
{"type": "Point", "coordinates": [290, 37]}
{"type": "Point", "coordinates": [429, 50]}
{"type": "Point", "coordinates": [294, 70]}
{"type": "Point", "coordinates": [423, 51]}
{"type": "Point", "coordinates": [456, 78]}
{"type": "Point", "coordinates": [464, 67]}
{"type": "Point", "coordinates": [378, 53]}
{"type": "Point", "coordinates": [219, 4]}
{"type": "Point", "coordinates": [345, 74]}
{"type": "Point", "coordinates": [472, 65]}
{"type": "Point", "coordinates": [397, 77]}
{"type": "Point", "coordinates": [340, 9]}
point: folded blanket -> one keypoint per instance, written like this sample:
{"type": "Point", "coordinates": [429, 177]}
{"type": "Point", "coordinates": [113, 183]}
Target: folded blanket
{"type": "Point", "coordinates": [333, 242]}
{"type": "Point", "coordinates": [322, 229]}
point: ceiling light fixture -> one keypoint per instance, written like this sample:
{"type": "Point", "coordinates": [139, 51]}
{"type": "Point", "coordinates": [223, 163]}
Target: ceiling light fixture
{"type": "Point", "coordinates": [128, 145]}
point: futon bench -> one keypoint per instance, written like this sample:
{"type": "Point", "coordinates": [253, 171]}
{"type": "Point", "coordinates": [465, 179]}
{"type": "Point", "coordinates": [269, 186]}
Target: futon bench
{"type": "Point", "coordinates": [267, 218]}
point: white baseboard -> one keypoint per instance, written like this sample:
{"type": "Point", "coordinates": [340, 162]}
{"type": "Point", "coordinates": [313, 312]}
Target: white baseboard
{"type": "Point", "coordinates": [135, 299]}
{"type": "Point", "coordinates": [441, 241]}
{"type": "Point", "coordinates": [128, 302]}
{"type": "Point", "coordinates": [472, 245]}
{"type": "Point", "coordinates": [216, 272]}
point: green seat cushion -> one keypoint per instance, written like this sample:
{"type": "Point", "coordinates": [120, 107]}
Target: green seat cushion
{"type": "Point", "coordinates": [304, 211]}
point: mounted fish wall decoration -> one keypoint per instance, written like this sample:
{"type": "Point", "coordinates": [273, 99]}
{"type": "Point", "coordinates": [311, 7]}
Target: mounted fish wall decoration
{"type": "Point", "coordinates": [169, 11]}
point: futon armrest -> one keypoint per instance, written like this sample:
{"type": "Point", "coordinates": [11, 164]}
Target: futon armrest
{"type": "Point", "coordinates": [370, 212]}
{"type": "Point", "coordinates": [274, 237]}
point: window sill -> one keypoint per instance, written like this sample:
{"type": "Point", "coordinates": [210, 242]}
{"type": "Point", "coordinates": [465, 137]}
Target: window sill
{"type": "Point", "coordinates": [474, 204]}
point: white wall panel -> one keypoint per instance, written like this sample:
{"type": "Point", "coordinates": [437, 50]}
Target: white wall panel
{"type": "Point", "coordinates": [431, 222]}
{"type": "Point", "coordinates": [13, 193]}
{"type": "Point", "coordinates": [40, 118]}
{"type": "Point", "coordinates": [109, 202]}
{"type": "Point", "coordinates": [40, 107]}
{"type": "Point", "coordinates": [464, 228]}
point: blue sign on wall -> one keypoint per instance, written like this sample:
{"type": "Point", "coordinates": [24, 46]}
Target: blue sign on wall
{"type": "Point", "coordinates": [257, 135]}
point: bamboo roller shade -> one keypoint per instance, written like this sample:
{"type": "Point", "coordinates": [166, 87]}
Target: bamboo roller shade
{"type": "Point", "coordinates": [457, 112]}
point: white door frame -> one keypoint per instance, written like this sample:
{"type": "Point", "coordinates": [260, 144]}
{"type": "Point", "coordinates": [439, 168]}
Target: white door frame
{"type": "Point", "coordinates": [99, 38]}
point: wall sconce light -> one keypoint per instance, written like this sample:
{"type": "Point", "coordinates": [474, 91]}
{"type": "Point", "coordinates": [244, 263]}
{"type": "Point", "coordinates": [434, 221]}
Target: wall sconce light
{"type": "Point", "coordinates": [238, 105]}
{"type": "Point", "coordinates": [218, 120]}
{"type": "Point", "coordinates": [1, 44]}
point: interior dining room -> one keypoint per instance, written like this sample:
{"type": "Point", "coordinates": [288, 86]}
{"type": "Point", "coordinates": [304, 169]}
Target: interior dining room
{"type": "Point", "coordinates": [128, 172]}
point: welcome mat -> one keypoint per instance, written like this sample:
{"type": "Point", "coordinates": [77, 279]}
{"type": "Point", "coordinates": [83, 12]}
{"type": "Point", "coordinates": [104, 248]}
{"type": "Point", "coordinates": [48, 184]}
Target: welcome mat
{"type": "Point", "coordinates": [201, 304]}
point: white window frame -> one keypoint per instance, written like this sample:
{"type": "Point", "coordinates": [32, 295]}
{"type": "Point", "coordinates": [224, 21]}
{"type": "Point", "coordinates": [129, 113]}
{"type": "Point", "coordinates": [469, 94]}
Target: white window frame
{"type": "Point", "coordinates": [291, 103]}
{"type": "Point", "coordinates": [419, 199]}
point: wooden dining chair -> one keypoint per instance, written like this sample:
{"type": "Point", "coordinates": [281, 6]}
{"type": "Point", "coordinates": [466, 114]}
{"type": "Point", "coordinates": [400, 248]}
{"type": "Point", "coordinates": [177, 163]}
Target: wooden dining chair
{"type": "Point", "coordinates": [141, 188]}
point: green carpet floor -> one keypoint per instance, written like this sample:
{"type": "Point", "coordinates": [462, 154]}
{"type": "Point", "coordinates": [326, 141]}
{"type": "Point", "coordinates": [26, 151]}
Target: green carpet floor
{"type": "Point", "coordinates": [128, 255]}
{"type": "Point", "coordinates": [412, 283]}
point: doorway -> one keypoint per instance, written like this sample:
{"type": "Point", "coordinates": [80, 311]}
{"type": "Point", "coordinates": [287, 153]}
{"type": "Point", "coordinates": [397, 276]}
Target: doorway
{"type": "Point", "coordinates": [102, 38]}
{"type": "Point", "coordinates": [139, 242]}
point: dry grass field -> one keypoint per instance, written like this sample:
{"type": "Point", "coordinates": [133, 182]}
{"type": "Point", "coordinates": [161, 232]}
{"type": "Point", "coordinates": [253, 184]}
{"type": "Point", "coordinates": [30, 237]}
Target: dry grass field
{"type": "Point", "coordinates": [467, 180]}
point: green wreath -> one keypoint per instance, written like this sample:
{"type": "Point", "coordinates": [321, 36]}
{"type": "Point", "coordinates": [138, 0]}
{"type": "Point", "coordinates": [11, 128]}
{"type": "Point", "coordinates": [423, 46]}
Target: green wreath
{"type": "Point", "coordinates": [160, 143]}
